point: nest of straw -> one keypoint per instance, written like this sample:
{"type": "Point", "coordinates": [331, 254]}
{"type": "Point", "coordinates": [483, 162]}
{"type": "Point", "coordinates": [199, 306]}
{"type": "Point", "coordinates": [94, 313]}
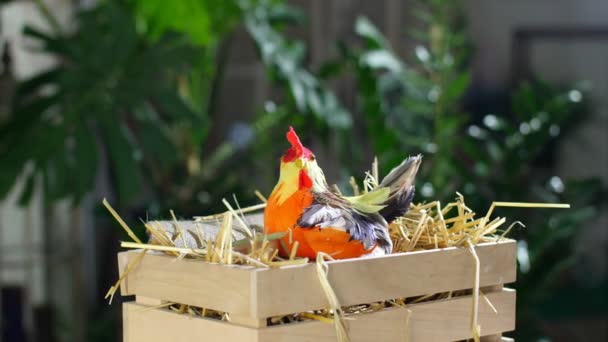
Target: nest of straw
{"type": "Point", "coordinates": [235, 238]}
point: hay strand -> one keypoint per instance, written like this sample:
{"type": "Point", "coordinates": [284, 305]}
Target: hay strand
{"type": "Point", "coordinates": [260, 196]}
{"type": "Point", "coordinates": [246, 210]}
{"type": "Point", "coordinates": [120, 221]}
{"type": "Point", "coordinates": [146, 246]}
{"type": "Point", "coordinates": [116, 285]}
{"type": "Point", "coordinates": [332, 299]}
{"type": "Point", "coordinates": [475, 328]}
{"type": "Point", "coordinates": [244, 226]}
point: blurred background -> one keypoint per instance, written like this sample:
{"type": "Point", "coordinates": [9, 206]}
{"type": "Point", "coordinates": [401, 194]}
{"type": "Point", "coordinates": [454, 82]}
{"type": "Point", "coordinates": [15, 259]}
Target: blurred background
{"type": "Point", "coordinates": [160, 105]}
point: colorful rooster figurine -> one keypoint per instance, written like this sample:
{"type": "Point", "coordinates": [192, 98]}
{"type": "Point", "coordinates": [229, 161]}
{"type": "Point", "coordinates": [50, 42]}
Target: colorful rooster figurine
{"type": "Point", "coordinates": [321, 220]}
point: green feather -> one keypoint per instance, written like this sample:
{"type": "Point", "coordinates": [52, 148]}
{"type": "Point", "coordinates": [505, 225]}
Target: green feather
{"type": "Point", "coordinates": [370, 202]}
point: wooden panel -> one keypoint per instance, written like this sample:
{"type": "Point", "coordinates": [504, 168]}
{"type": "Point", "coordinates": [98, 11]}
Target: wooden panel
{"type": "Point", "coordinates": [123, 262]}
{"type": "Point", "coordinates": [451, 320]}
{"type": "Point", "coordinates": [261, 293]}
{"type": "Point", "coordinates": [161, 325]}
{"type": "Point", "coordinates": [186, 281]}
{"type": "Point", "coordinates": [446, 320]}
{"type": "Point", "coordinates": [386, 326]}
{"type": "Point", "coordinates": [148, 301]}
{"type": "Point", "coordinates": [355, 281]}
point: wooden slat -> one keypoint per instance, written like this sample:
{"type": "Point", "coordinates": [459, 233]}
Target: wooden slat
{"type": "Point", "coordinates": [446, 320]}
{"type": "Point", "coordinates": [357, 281]}
{"type": "Point", "coordinates": [387, 326]}
{"type": "Point", "coordinates": [261, 293]}
{"type": "Point", "coordinates": [247, 321]}
{"type": "Point", "coordinates": [450, 320]}
{"type": "Point", "coordinates": [162, 325]}
{"type": "Point", "coordinates": [123, 262]}
{"type": "Point", "coordinates": [212, 286]}
{"type": "Point", "coordinates": [148, 301]}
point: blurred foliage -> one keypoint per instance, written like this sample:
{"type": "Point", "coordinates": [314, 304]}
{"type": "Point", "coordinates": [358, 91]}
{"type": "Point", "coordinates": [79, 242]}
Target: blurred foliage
{"type": "Point", "coordinates": [502, 156]}
{"type": "Point", "coordinates": [488, 156]}
{"type": "Point", "coordinates": [285, 58]}
{"type": "Point", "coordinates": [203, 22]}
{"type": "Point", "coordinates": [137, 84]}
{"type": "Point", "coordinates": [110, 92]}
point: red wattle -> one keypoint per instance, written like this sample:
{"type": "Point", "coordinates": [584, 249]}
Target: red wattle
{"type": "Point", "coordinates": [304, 181]}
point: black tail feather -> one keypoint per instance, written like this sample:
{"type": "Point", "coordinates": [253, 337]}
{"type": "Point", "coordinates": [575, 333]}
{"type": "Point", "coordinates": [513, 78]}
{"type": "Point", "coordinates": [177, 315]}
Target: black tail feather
{"type": "Point", "coordinates": [401, 182]}
{"type": "Point", "coordinates": [398, 205]}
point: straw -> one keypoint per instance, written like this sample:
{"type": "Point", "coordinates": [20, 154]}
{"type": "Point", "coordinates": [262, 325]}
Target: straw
{"type": "Point", "coordinates": [130, 266]}
{"type": "Point", "coordinates": [243, 211]}
{"type": "Point", "coordinates": [488, 302]}
{"type": "Point", "coordinates": [120, 221]}
{"type": "Point", "coordinates": [260, 196]}
{"type": "Point", "coordinates": [147, 246]}
{"type": "Point", "coordinates": [407, 324]}
{"type": "Point", "coordinates": [322, 271]}
{"type": "Point", "coordinates": [475, 328]}
{"type": "Point", "coordinates": [317, 317]}
{"type": "Point", "coordinates": [244, 226]}
{"type": "Point", "coordinates": [354, 185]}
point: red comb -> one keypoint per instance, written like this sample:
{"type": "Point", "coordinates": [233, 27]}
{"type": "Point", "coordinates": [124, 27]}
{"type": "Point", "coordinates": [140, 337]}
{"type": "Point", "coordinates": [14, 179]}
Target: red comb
{"type": "Point", "coordinates": [297, 150]}
{"type": "Point", "coordinates": [294, 140]}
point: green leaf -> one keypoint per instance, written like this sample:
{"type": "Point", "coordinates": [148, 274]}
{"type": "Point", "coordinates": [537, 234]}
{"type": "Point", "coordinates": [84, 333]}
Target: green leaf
{"type": "Point", "coordinates": [202, 21]}
{"type": "Point", "coordinates": [85, 154]}
{"type": "Point", "coordinates": [335, 115]}
{"type": "Point", "coordinates": [175, 108]}
{"type": "Point", "coordinates": [57, 177]}
{"type": "Point", "coordinates": [381, 59]}
{"type": "Point", "coordinates": [50, 43]}
{"type": "Point", "coordinates": [284, 58]}
{"type": "Point", "coordinates": [331, 69]}
{"type": "Point", "coordinates": [457, 87]}
{"type": "Point", "coordinates": [282, 14]}
{"type": "Point", "coordinates": [156, 143]}
{"type": "Point", "coordinates": [187, 16]}
{"type": "Point", "coordinates": [124, 168]}
{"type": "Point", "coordinates": [298, 92]}
{"type": "Point", "coordinates": [366, 29]}
{"type": "Point", "coordinates": [525, 102]}
{"type": "Point", "coordinates": [41, 79]}
{"type": "Point", "coordinates": [107, 72]}
{"type": "Point", "coordinates": [26, 116]}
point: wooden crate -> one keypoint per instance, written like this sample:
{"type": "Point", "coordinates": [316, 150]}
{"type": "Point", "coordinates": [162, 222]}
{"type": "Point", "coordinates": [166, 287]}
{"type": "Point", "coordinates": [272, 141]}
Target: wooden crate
{"type": "Point", "coordinates": [251, 295]}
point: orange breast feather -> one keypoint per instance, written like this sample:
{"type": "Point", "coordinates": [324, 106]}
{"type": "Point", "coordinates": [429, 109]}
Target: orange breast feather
{"type": "Point", "coordinates": [283, 217]}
